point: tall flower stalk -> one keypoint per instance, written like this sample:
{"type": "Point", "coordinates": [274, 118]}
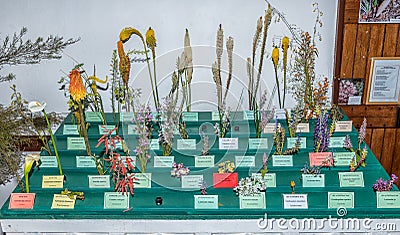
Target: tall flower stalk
{"type": "Point", "coordinates": [224, 113]}
{"type": "Point", "coordinates": [257, 40]}
{"type": "Point", "coordinates": [321, 133]}
{"type": "Point", "coordinates": [168, 124]}
{"type": "Point", "coordinates": [78, 95]}
{"type": "Point", "coordinates": [150, 41]}
{"type": "Point", "coordinates": [275, 60]}
{"type": "Point", "coordinates": [360, 154]}
{"type": "Point", "coordinates": [143, 119]}
{"type": "Point", "coordinates": [285, 48]}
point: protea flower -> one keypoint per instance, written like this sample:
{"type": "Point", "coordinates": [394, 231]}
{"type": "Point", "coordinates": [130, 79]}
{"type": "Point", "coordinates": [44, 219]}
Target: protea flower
{"type": "Point", "coordinates": [76, 88]}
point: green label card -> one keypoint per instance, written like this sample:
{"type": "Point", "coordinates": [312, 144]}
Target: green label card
{"type": "Point", "coordinates": [132, 129]}
{"type": "Point", "coordinates": [154, 144]}
{"type": "Point", "coordinates": [388, 199]}
{"type": "Point", "coordinates": [214, 116]}
{"type": "Point", "coordinates": [269, 179]}
{"type": "Point", "coordinates": [336, 142]}
{"type": "Point", "coordinates": [351, 179]}
{"type": "Point", "coordinates": [248, 115]}
{"type": "Point", "coordinates": [115, 200]}
{"type": "Point", "coordinates": [258, 143]}
{"type": "Point", "coordinates": [186, 144]}
{"type": "Point", "coordinates": [99, 181]}
{"type": "Point", "coordinates": [163, 161]}
{"type": "Point", "coordinates": [93, 117]}
{"type": "Point", "coordinates": [310, 180]}
{"type": "Point", "coordinates": [228, 143]}
{"type": "Point", "coordinates": [205, 201]}
{"type": "Point", "coordinates": [104, 129]}
{"type": "Point", "coordinates": [282, 160]}
{"type": "Point", "coordinates": [245, 161]}
{"type": "Point", "coordinates": [291, 142]}
{"type": "Point", "coordinates": [85, 162]}
{"type": "Point", "coordinates": [190, 116]}
{"type": "Point", "coordinates": [256, 201]}
{"type": "Point", "coordinates": [340, 199]}
{"type": "Point", "coordinates": [343, 158]}
{"type": "Point", "coordinates": [295, 201]}
{"type": "Point", "coordinates": [70, 130]}
{"type": "Point", "coordinates": [270, 128]}
{"type": "Point", "coordinates": [191, 181]}
{"type": "Point", "coordinates": [143, 180]}
{"type": "Point", "coordinates": [48, 161]}
{"type": "Point", "coordinates": [303, 128]}
{"type": "Point", "coordinates": [76, 143]}
{"type": "Point", "coordinates": [204, 161]}
{"type": "Point", "coordinates": [126, 117]}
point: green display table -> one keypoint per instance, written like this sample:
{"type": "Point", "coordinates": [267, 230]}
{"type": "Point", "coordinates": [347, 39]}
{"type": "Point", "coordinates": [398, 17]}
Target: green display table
{"type": "Point", "coordinates": [178, 200]}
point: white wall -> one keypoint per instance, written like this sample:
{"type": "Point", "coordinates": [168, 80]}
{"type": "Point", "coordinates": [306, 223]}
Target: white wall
{"type": "Point", "coordinates": [98, 24]}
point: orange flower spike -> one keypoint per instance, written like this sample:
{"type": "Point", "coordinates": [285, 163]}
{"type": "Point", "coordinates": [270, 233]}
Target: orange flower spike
{"type": "Point", "coordinates": [76, 88]}
{"type": "Point", "coordinates": [124, 63]}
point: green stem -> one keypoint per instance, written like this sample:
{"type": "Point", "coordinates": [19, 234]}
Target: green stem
{"type": "Point", "coordinates": [83, 129]}
{"type": "Point", "coordinates": [277, 87]}
{"type": "Point", "coordinates": [53, 142]}
{"type": "Point", "coordinates": [27, 183]}
{"type": "Point", "coordinates": [156, 103]}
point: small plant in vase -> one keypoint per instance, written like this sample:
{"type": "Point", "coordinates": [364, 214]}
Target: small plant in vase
{"type": "Point", "coordinates": [279, 142]}
{"type": "Point", "coordinates": [121, 167]}
{"type": "Point", "coordinates": [385, 185]}
{"type": "Point", "coordinates": [143, 120]}
{"type": "Point", "coordinates": [179, 170]}
{"type": "Point", "coordinates": [360, 154]}
{"type": "Point", "coordinates": [250, 186]}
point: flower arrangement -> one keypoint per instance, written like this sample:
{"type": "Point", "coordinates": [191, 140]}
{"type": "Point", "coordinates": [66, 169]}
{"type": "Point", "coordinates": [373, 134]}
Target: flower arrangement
{"type": "Point", "coordinates": [73, 195]}
{"type": "Point", "coordinates": [385, 185]}
{"type": "Point", "coordinates": [179, 170]}
{"type": "Point", "coordinates": [360, 154]}
{"type": "Point", "coordinates": [312, 170]}
{"type": "Point", "coordinates": [250, 186]}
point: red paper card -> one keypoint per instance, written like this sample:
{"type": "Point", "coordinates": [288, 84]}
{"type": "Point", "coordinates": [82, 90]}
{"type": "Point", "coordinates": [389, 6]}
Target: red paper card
{"type": "Point", "coordinates": [321, 159]}
{"type": "Point", "coordinates": [22, 201]}
{"type": "Point", "coordinates": [225, 180]}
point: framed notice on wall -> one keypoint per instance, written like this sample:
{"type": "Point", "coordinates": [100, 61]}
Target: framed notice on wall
{"type": "Point", "coordinates": [383, 84]}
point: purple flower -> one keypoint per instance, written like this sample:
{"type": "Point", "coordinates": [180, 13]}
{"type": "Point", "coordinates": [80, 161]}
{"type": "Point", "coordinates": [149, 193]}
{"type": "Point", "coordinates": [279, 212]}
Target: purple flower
{"type": "Point", "coordinates": [362, 131]}
{"type": "Point", "coordinates": [347, 143]}
{"type": "Point", "coordinates": [321, 133]}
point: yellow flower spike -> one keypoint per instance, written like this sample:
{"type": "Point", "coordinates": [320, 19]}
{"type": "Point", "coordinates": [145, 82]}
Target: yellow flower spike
{"type": "Point", "coordinates": [292, 185]}
{"type": "Point", "coordinates": [275, 56]}
{"type": "Point", "coordinates": [150, 38]}
{"type": "Point", "coordinates": [124, 63]}
{"type": "Point", "coordinates": [285, 44]}
{"type": "Point", "coordinates": [127, 32]}
{"type": "Point", "coordinates": [76, 88]}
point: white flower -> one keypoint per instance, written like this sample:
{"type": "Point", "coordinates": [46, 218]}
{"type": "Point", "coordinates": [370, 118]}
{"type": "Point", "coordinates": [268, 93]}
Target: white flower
{"type": "Point", "coordinates": [36, 106]}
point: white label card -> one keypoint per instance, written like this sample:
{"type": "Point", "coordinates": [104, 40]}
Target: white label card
{"type": "Point", "coordinates": [295, 201]}
{"type": "Point", "coordinates": [228, 143]}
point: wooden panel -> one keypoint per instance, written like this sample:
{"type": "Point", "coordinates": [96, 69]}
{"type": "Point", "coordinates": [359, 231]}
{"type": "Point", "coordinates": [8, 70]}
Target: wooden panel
{"type": "Point", "coordinates": [388, 148]}
{"type": "Point", "coordinates": [375, 45]}
{"type": "Point", "coordinates": [391, 40]}
{"type": "Point", "coordinates": [351, 11]}
{"type": "Point", "coordinates": [398, 46]}
{"type": "Point", "coordinates": [377, 116]}
{"type": "Point", "coordinates": [349, 42]}
{"type": "Point", "coordinates": [376, 143]}
{"type": "Point", "coordinates": [361, 54]}
{"type": "Point", "coordinates": [368, 136]}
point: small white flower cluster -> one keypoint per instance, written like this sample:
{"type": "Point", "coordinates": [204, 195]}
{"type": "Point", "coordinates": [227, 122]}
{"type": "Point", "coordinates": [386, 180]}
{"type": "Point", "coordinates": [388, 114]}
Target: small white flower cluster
{"type": "Point", "coordinates": [250, 186]}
